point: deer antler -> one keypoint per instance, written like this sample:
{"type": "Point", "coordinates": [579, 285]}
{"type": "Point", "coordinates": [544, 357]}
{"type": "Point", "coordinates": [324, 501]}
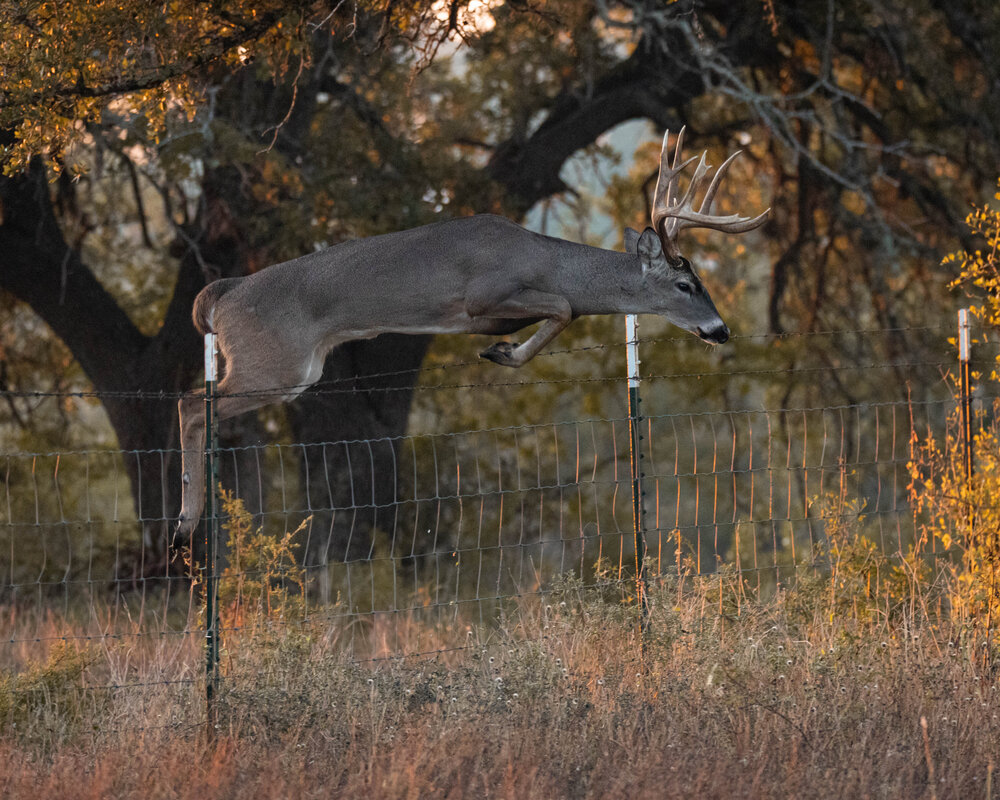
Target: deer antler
{"type": "Point", "coordinates": [670, 216]}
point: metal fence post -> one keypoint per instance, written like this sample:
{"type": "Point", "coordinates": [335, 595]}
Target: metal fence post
{"type": "Point", "coordinates": [211, 532]}
{"type": "Point", "coordinates": [981, 540]}
{"type": "Point", "coordinates": [965, 389]}
{"type": "Point", "coordinates": [635, 449]}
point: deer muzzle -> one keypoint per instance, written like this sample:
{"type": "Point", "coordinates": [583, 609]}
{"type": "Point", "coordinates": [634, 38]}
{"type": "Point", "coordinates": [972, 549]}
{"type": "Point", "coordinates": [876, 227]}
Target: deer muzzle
{"type": "Point", "coordinates": [718, 334]}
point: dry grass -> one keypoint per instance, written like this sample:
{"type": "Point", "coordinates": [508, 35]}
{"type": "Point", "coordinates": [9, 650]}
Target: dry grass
{"type": "Point", "coordinates": [803, 695]}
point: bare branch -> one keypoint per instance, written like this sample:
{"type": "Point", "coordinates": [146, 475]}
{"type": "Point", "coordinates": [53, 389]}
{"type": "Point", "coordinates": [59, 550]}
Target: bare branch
{"type": "Point", "coordinates": [291, 107]}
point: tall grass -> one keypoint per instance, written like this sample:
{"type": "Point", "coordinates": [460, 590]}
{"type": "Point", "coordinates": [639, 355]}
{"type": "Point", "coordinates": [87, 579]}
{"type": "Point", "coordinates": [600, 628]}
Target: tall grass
{"type": "Point", "coordinates": [852, 683]}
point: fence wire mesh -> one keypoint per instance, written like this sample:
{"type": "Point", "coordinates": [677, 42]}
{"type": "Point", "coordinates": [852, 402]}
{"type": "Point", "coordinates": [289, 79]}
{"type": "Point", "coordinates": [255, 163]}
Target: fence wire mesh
{"type": "Point", "coordinates": [400, 538]}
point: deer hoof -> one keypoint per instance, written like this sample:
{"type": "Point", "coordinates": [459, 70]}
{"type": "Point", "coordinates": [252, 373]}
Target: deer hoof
{"type": "Point", "coordinates": [182, 529]}
{"type": "Point", "coordinates": [501, 353]}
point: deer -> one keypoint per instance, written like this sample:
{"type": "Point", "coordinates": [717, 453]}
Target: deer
{"type": "Point", "coordinates": [482, 274]}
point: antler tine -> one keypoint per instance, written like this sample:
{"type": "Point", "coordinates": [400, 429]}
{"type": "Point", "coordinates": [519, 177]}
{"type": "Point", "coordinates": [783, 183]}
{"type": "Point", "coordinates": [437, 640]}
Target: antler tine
{"type": "Point", "coordinates": [678, 146]}
{"type": "Point", "coordinates": [713, 187]}
{"type": "Point", "coordinates": [700, 172]}
{"type": "Point", "coordinates": [665, 150]}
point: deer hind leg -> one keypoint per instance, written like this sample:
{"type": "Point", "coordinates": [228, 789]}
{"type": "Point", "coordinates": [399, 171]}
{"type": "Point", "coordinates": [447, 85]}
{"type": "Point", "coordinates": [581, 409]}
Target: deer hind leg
{"type": "Point", "coordinates": [527, 304]}
{"type": "Point", "coordinates": [249, 384]}
{"type": "Point", "coordinates": [192, 422]}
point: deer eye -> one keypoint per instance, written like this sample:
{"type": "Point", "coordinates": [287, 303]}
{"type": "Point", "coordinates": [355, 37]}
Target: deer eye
{"type": "Point", "coordinates": [685, 287]}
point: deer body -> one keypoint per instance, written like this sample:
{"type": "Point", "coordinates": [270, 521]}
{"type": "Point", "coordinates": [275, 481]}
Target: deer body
{"type": "Point", "coordinates": [451, 273]}
{"type": "Point", "coordinates": [481, 274]}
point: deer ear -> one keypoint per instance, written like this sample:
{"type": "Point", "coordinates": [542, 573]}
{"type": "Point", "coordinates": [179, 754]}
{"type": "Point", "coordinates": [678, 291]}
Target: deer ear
{"type": "Point", "coordinates": [649, 248]}
{"type": "Point", "coordinates": [631, 240]}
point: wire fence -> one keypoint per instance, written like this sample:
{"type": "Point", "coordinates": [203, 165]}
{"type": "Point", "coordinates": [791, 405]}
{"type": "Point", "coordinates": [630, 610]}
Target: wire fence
{"type": "Point", "coordinates": [744, 467]}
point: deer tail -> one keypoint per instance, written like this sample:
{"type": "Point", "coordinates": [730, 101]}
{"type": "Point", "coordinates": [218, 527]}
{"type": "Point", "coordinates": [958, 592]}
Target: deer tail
{"type": "Point", "coordinates": [204, 303]}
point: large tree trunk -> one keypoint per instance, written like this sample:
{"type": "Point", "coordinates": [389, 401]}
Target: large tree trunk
{"type": "Point", "coordinates": [350, 425]}
{"type": "Point", "coordinates": [132, 373]}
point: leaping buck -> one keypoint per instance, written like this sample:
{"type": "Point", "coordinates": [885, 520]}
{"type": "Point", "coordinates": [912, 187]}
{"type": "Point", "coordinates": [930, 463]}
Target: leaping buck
{"type": "Point", "coordinates": [481, 274]}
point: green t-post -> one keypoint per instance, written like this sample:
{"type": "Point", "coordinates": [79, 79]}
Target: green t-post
{"type": "Point", "coordinates": [211, 532]}
{"type": "Point", "coordinates": [635, 449]}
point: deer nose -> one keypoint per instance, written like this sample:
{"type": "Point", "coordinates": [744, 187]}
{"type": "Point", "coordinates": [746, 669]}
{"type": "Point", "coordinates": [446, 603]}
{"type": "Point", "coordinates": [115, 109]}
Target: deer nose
{"type": "Point", "coordinates": [718, 334]}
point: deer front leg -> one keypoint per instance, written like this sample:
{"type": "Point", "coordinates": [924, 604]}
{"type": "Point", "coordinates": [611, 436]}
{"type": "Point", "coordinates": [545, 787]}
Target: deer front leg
{"type": "Point", "coordinates": [527, 304]}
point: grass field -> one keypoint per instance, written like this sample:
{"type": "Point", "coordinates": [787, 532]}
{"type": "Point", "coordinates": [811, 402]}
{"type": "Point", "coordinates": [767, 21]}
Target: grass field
{"type": "Point", "coordinates": [839, 687]}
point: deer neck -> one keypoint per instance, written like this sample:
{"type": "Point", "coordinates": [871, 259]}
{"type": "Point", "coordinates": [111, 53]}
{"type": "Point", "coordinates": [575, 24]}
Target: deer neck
{"type": "Point", "coordinates": [606, 282]}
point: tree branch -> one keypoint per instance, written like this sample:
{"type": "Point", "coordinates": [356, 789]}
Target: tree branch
{"type": "Point", "coordinates": [529, 169]}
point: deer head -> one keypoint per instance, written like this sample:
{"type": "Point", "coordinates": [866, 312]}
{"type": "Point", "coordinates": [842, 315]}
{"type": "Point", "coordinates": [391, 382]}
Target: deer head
{"type": "Point", "coordinates": [668, 274]}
